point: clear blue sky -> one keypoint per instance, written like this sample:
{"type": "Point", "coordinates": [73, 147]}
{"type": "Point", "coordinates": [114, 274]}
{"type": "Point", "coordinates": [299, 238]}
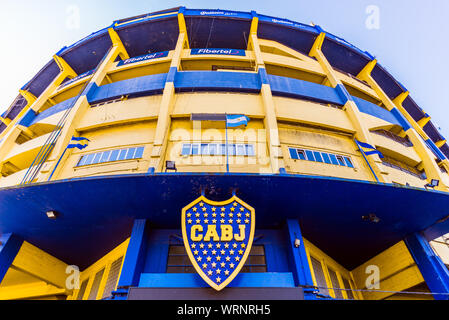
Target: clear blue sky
{"type": "Point", "coordinates": [410, 41]}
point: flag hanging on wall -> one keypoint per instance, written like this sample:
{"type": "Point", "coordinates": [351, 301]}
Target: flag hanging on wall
{"type": "Point", "coordinates": [368, 149]}
{"type": "Point", "coordinates": [78, 142]}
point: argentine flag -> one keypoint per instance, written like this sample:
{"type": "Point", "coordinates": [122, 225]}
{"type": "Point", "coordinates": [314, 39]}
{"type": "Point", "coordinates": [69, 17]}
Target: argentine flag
{"type": "Point", "coordinates": [78, 142]}
{"type": "Point", "coordinates": [368, 149]}
{"type": "Point", "coordinates": [236, 120]}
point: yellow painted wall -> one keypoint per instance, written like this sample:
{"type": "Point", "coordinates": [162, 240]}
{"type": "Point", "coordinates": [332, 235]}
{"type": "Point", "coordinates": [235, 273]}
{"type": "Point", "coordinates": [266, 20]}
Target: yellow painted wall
{"type": "Point", "coordinates": [398, 272]}
{"type": "Point", "coordinates": [110, 138]}
{"type": "Point", "coordinates": [34, 274]}
{"type": "Point", "coordinates": [183, 131]}
{"type": "Point", "coordinates": [320, 140]}
{"type": "Point", "coordinates": [132, 122]}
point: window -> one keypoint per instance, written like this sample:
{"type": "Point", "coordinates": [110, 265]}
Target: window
{"type": "Point", "coordinates": [348, 288]}
{"type": "Point", "coordinates": [323, 157]}
{"type": "Point", "coordinates": [186, 149]}
{"type": "Point", "coordinates": [293, 153]}
{"type": "Point", "coordinates": [349, 162]}
{"type": "Point", "coordinates": [250, 150]}
{"type": "Point", "coordinates": [112, 277]}
{"type": "Point", "coordinates": [195, 149]}
{"type": "Point", "coordinates": [335, 284]}
{"type": "Point", "coordinates": [334, 159]}
{"type": "Point", "coordinates": [82, 290]}
{"type": "Point", "coordinates": [340, 160]}
{"type": "Point", "coordinates": [240, 150]}
{"type": "Point", "coordinates": [309, 155]}
{"type": "Point", "coordinates": [256, 261]}
{"type": "Point", "coordinates": [326, 158]}
{"type": "Point", "coordinates": [318, 157]}
{"type": "Point", "coordinates": [105, 156]}
{"type": "Point", "coordinates": [96, 285]}
{"type": "Point", "coordinates": [319, 276]}
{"type": "Point", "coordinates": [179, 262]}
{"type": "Point", "coordinates": [111, 156]}
{"type": "Point", "coordinates": [212, 149]}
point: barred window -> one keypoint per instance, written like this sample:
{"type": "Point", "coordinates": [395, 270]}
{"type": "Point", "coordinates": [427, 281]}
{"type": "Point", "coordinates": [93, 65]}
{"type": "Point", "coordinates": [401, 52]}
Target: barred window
{"type": "Point", "coordinates": [111, 156]}
{"type": "Point", "coordinates": [82, 290]}
{"type": "Point", "coordinates": [335, 284]}
{"type": "Point", "coordinates": [256, 261]}
{"type": "Point", "coordinates": [348, 288]}
{"type": "Point", "coordinates": [178, 260]}
{"type": "Point", "coordinates": [319, 276]}
{"type": "Point", "coordinates": [112, 277]}
{"type": "Point", "coordinates": [96, 285]}
{"type": "Point", "coordinates": [323, 157]}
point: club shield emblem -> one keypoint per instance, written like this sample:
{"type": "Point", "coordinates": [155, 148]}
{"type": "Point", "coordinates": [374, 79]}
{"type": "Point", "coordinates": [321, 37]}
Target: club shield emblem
{"type": "Point", "coordinates": [218, 237]}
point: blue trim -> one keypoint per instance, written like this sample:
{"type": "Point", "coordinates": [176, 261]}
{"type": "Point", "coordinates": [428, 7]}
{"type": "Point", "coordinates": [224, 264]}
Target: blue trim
{"type": "Point", "coordinates": [9, 247]}
{"type": "Point", "coordinates": [90, 91]}
{"type": "Point", "coordinates": [117, 25]}
{"type": "Point", "coordinates": [343, 93]}
{"type": "Point", "coordinates": [377, 111]}
{"type": "Point", "coordinates": [263, 76]}
{"type": "Point", "coordinates": [401, 119]}
{"type": "Point", "coordinates": [287, 23]}
{"type": "Point", "coordinates": [437, 152]}
{"type": "Point", "coordinates": [217, 13]}
{"type": "Point", "coordinates": [289, 87]}
{"type": "Point", "coordinates": [28, 118]}
{"type": "Point", "coordinates": [216, 80]}
{"type": "Point", "coordinates": [171, 74]}
{"type": "Point", "coordinates": [135, 255]}
{"type": "Point", "coordinates": [146, 85]}
{"type": "Point", "coordinates": [319, 29]}
{"type": "Point", "coordinates": [53, 110]}
{"type": "Point", "coordinates": [433, 270]}
{"type": "Point", "coordinates": [193, 280]}
{"type": "Point", "coordinates": [297, 258]}
{"type": "Point", "coordinates": [227, 81]}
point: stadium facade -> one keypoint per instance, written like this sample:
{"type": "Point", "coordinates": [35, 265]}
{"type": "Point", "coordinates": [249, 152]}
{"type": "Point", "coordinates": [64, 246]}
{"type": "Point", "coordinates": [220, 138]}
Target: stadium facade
{"type": "Point", "coordinates": [338, 179]}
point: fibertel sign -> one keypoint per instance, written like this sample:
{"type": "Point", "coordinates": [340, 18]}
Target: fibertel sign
{"type": "Point", "coordinates": [218, 237]}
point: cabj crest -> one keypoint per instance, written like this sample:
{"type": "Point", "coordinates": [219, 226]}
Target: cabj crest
{"type": "Point", "coordinates": [218, 237]}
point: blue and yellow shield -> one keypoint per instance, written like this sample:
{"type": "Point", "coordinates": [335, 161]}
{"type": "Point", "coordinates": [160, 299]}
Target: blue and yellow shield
{"type": "Point", "coordinates": [218, 237]}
